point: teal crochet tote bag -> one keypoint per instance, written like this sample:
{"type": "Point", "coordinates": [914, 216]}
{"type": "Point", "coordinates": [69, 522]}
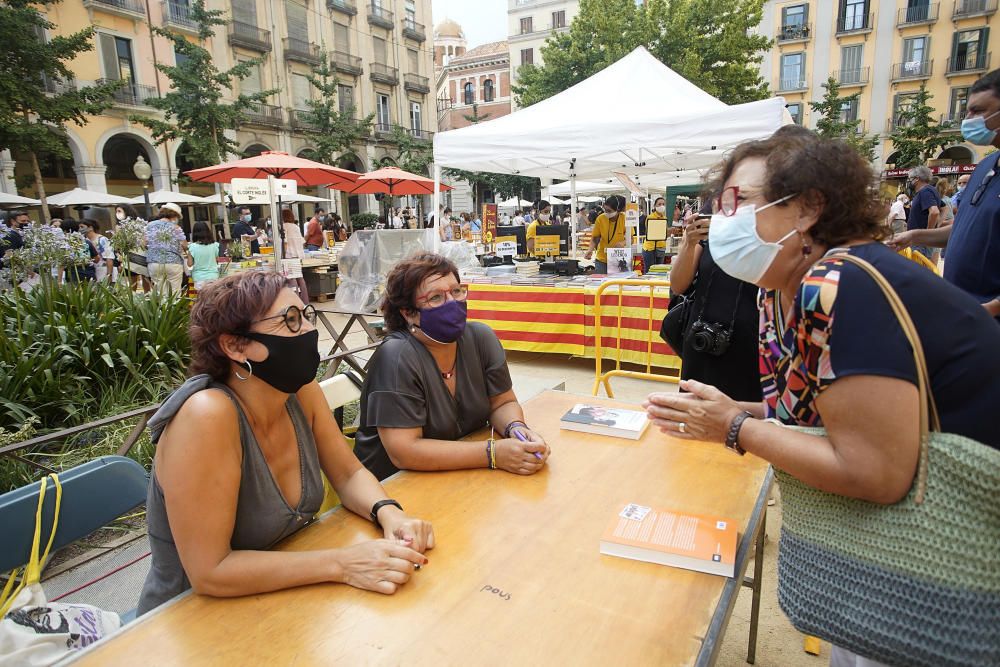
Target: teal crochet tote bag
{"type": "Point", "coordinates": [914, 583]}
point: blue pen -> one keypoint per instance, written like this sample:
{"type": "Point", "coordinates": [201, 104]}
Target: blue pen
{"type": "Point", "coordinates": [517, 434]}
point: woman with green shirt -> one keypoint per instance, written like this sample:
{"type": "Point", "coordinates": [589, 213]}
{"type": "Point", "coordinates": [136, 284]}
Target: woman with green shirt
{"type": "Point", "coordinates": [202, 254]}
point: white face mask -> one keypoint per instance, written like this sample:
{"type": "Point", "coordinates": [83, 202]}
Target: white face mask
{"type": "Point", "coordinates": [544, 217]}
{"type": "Point", "coordinates": [737, 247]}
{"type": "Point", "coordinates": [661, 209]}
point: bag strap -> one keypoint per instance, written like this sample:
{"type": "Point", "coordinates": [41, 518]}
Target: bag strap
{"type": "Point", "coordinates": [32, 573]}
{"type": "Point", "coordinates": [929, 419]}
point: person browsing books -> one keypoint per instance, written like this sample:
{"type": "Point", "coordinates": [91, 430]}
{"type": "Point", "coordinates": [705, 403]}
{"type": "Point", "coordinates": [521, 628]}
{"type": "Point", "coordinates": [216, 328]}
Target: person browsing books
{"type": "Point", "coordinates": [609, 232]}
{"type": "Point", "coordinates": [436, 379]}
{"type": "Point", "coordinates": [544, 217]}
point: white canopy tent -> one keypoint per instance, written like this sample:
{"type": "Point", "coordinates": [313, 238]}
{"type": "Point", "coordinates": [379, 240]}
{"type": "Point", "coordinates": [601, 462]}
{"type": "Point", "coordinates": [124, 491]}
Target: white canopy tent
{"type": "Point", "coordinates": [514, 202]}
{"type": "Point", "coordinates": [673, 131]}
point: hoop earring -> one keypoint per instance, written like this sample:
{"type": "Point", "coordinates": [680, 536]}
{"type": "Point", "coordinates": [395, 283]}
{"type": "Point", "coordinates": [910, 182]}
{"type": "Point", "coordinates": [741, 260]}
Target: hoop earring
{"type": "Point", "coordinates": [249, 368]}
{"type": "Point", "coordinates": [806, 246]}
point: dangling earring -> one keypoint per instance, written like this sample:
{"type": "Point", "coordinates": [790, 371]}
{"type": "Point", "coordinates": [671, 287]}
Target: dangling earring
{"type": "Point", "coordinates": [249, 368]}
{"type": "Point", "coordinates": [806, 246]}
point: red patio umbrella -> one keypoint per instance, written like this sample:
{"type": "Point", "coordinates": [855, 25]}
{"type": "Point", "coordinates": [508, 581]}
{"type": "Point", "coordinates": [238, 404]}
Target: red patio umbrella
{"type": "Point", "coordinates": [280, 165]}
{"type": "Point", "coordinates": [394, 182]}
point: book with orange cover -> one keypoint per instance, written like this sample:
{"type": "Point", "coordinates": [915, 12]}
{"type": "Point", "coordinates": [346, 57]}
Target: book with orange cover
{"type": "Point", "coordinates": [692, 542]}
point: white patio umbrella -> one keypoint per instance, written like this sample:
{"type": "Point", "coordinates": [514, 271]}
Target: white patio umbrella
{"type": "Point", "coordinates": [514, 202]}
{"type": "Point", "coordinates": [167, 196]}
{"type": "Point", "coordinates": [81, 197]}
{"type": "Point", "coordinates": [17, 200]}
{"type": "Point", "coordinates": [305, 199]}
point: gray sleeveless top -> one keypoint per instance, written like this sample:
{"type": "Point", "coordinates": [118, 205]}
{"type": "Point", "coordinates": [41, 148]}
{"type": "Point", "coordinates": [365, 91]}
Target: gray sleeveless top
{"type": "Point", "coordinates": [263, 517]}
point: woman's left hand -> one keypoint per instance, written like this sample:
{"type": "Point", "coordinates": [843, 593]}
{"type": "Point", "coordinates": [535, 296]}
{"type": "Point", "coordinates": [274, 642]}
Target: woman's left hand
{"type": "Point", "coordinates": [416, 534]}
{"type": "Point", "coordinates": [703, 414]}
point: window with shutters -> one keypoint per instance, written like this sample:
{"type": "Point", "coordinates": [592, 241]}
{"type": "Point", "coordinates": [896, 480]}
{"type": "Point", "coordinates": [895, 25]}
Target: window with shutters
{"type": "Point", "coordinates": [252, 84]}
{"type": "Point", "coordinates": [526, 26]}
{"type": "Point", "coordinates": [469, 95]}
{"type": "Point", "coordinates": [297, 20]}
{"type": "Point", "coordinates": [345, 99]}
{"type": "Point", "coordinates": [795, 111]}
{"type": "Point", "coordinates": [968, 50]}
{"type": "Point", "coordinates": [245, 11]}
{"type": "Point", "coordinates": [416, 123]}
{"type": "Point", "coordinates": [489, 93]}
{"type": "Point", "coordinates": [902, 102]}
{"type": "Point", "coordinates": [116, 58]}
{"type": "Point", "coordinates": [378, 47]}
{"type": "Point", "coordinates": [382, 116]}
{"type": "Point", "coordinates": [850, 63]}
{"type": "Point", "coordinates": [341, 38]}
{"type": "Point", "coordinates": [958, 104]}
{"type": "Point", "coordinates": [411, 11]}
{"type": "Point", "coordinates": [301, 91]}
{"type": "Point", "coordinates": [527, 56]}
{"type": "Point", "coordinates": [414, 59]}
{"type": "Point", "coordinates": [559, 19]}
{"type": "Point", "coordinates": [849, 111]}
{"type": "Point", "coordinates": [793, 71]}
{"type": "Point", "coordinates": [915, 50]}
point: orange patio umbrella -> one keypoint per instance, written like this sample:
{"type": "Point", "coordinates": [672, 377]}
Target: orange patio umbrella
{"type": "Point", "coordinates": [394, 182]}
{"type": "Point", "coordinates": [280, 165]}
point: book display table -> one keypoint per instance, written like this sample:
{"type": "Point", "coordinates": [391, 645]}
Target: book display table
{"type": "Point", "coordinates": [517, 577]}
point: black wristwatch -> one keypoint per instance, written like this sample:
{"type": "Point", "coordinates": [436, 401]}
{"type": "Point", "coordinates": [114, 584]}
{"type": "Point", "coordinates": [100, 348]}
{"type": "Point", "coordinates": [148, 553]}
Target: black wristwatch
{"type": "Point", "coordinates": [379, 505]}
{"type": "Point", "coordinates": [733, 435]}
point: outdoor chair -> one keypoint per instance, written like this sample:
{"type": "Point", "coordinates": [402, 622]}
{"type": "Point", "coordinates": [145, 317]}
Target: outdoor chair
{"type": "Point", "coordinates": [93, 495]}
{"type": "Point", "coordinates": [339, 390]}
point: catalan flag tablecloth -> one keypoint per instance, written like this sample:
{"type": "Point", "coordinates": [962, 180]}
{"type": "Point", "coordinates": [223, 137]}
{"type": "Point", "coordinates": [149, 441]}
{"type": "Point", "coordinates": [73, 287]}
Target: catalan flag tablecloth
{"type": "Point", "coordinates": [561, 321]}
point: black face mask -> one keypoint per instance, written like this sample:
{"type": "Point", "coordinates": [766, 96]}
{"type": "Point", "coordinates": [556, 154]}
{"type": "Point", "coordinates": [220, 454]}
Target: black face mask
{"type": "Point", "coordinates": [292, 361]}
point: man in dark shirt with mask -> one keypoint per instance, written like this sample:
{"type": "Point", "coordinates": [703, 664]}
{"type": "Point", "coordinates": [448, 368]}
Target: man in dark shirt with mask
{"type": "Point", "coordinates": [242, 230]}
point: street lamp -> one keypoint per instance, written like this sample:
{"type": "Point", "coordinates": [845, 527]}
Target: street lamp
{"type": "Point", "coordinates": [143, 171]}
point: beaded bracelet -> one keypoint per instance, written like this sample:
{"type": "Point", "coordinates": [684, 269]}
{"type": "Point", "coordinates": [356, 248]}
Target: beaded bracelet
{"type": "Point", "coordinates": [506, 431]}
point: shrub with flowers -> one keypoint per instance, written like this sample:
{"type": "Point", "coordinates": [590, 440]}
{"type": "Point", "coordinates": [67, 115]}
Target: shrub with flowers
{"type": "Point", "coordinates": [128, 237]}
{"type": "Point", "coordinates": [45, 249]}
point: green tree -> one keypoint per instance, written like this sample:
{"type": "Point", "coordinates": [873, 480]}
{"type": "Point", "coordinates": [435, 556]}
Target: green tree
{"type": "Point", "coordinates": [333, 132]}
{"type": "Point", "coordinates": [413, 154]}
{"type": "Point", "coordinates": [37, 97]}
{"type": "Point", "coordinates": [833, 125]}
{"type": "Point", "coordinates": [195, 110]}
{"type": "Point", "coordinates": [916, 136]}
{"type": "Point", "coordinates": [710, 42]}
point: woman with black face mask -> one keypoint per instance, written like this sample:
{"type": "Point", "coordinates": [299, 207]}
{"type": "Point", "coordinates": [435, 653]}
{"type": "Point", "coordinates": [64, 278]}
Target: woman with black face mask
{"type": "Point", "coordinates": [437, 379]}
{"type": "Point", "coordinates": [241, 449]}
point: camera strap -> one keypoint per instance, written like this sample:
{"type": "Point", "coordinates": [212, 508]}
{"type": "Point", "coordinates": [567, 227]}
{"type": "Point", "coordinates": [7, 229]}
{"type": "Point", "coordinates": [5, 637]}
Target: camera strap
{"type": "Point", "coordinates": [708, 291]}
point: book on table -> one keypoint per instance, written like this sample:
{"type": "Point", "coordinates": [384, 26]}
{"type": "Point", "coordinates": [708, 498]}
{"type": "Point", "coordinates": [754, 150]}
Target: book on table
{"type": "Point", "coordinates": [688, 541]}
{"type": "Point", "coordinates": [600, 420]}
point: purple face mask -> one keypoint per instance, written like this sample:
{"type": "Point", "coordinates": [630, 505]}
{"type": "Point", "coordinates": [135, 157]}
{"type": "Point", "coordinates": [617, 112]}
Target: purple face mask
{"type": "Point", "coordinates": [445, 323]}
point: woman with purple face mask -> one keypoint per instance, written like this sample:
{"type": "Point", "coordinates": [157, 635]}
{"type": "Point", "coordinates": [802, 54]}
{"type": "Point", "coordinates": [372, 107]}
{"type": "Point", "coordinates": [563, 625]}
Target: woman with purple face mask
{"type": "Point", "coordinates": [437, 379]}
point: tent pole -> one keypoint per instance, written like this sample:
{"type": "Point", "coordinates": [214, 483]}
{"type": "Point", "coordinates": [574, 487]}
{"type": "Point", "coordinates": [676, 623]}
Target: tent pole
{"type": "Point", "coordinates": [572, 211]}
{"type": "Point", "coordinates": [436, 208]}
{"type": "Point", "coordinates": [272, 187]}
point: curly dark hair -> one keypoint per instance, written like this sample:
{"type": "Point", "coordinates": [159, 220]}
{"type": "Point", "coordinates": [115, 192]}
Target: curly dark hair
{"type": "Point", "coordinates": [228, 306]}
{"type": "Point", "coordinates": [404, 280]}
{"type": "Point", "coordinates": [825, 173]}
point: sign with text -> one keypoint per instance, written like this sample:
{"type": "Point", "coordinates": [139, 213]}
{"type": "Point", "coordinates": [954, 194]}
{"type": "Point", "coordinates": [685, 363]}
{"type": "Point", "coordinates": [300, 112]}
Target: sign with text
{"type": "Point", "coordinates": [619, 260]}
{"type": "Point", "coordinates": [546, 245]}
{"type": "Point", "coordinates": [946, 170]}
{"type": "Point", "coordinates": [632, 214]}
{"type": "Point", "coordinates": [629, 184]}
{"type": "Point", "coordinates": [507, 246]}
{"type": "Point", "coordinates": [489, 223]}
{"type": "Point", "coordinates": [255, 190]}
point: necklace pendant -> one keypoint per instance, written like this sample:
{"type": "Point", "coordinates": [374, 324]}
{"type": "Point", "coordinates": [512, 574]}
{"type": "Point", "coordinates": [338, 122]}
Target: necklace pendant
{"type": "Point", "coordinates": [448, 375]}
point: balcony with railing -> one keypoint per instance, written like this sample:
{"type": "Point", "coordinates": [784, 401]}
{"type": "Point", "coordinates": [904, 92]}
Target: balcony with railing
{"type": "Point", "coordinates": [416, 83]}
{"type": "Point", "coordinates": [968, 8]}
{"type": "Point", "coordinates": [859, 76]}
{"type": "Point", "coordinates": [382, 130]}
{"type": "Point", "coordinates": [789, 84]}
{"type": "Point", "coordinates": [918, 14]}
{"type": "Point", "coordinates": [795, 32]}
{"type": "Point", "coordinates": [951, 123]}
{"type": "Point", "coordinates": [413, 30]}
{"type": "Point", "coordinates": [259, 113]}
{"type": "Point", "coordinates": [343, 6]}
{"type": "Point", "coordinates": [858, 130]}
{"type": "Point", "coordinates": [177, 15]}
{"type": "Point", "coordinates": [55, 86]}
{"type": "Point", "coordinates": [346, 63]}
{"type": "Point", "coordinates": [855, 23]}
{"type": "Point", "coordinates": [132, 94]}
{"type": "Point", "coordinates": [301, 51]}
{"type": "Point", "coordinates": [383, 74]}
{"type": "Point", "coordinates": [249, 36]}
{"type": "Point", "coordinates": [380, 16]}
{"type": "Point", "coordinates": [968, 64]}
{"type": "Point", "coordinates": [133, 9]}
{"type": "Point", "coordinates": [301, 120]}
{"type": "Point", "coordinates": [915, 69]}
{"type": "Point", "coordinates": [421, 135]}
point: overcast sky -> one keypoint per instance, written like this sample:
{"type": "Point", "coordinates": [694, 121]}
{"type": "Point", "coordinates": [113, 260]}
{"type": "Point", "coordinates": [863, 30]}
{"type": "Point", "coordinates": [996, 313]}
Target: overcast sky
{"type": "Point", "coordinates": [482, 20]}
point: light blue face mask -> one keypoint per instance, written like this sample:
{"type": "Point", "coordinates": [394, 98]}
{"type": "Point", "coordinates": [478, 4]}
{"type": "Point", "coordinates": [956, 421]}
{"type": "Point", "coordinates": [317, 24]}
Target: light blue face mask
{"type": "Point", "coordinates": [737, 247]}
{"type": "Point", "coordinates": [974, 130]}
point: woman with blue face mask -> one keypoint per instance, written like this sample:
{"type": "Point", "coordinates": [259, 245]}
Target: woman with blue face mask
{"type": "Point", "coordinates": [832, 350]}
{"type": "Point", "coordinates": [436, 379]}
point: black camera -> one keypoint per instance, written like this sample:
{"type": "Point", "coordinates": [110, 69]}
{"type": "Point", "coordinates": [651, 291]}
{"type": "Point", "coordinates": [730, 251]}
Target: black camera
{"type": "Point", "coordinates": [710, 337]}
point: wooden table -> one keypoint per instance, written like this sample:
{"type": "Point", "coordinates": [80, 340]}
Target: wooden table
{"type": "Point", "coordinates": [517, 577]}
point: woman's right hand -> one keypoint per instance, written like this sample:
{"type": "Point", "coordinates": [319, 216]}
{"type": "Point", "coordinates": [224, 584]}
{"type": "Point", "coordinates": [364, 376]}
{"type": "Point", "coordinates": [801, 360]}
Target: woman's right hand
{"type": "Point", "coordinates": [695, 230]}
{"type": "Point", "coordinates": [380, 565]}
{"type": "Point", "coordinates": [519, 457]}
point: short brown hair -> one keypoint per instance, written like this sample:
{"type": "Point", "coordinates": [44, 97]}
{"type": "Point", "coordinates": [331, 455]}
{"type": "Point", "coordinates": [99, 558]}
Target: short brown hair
{"type": "Point", "coordinates": [404, 280]}
{"type": "Point", "coordinates": [287, 216]}
{"type": "Point", "coordinates": [228, 306]}
{"type": "Point", "coordinates": [826, 173]}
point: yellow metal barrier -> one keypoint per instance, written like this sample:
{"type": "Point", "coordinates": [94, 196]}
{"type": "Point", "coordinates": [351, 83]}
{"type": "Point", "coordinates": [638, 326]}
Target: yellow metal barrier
{"type": "Point", "coordinates": [602, 378]}
{"type": "Point", "coordinates": [911, 254]}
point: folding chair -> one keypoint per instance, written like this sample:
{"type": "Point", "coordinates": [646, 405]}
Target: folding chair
{"type": "Point", "coordinates": [339, 390]}
{"type": "Point", "coordinates": [93, 495]}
